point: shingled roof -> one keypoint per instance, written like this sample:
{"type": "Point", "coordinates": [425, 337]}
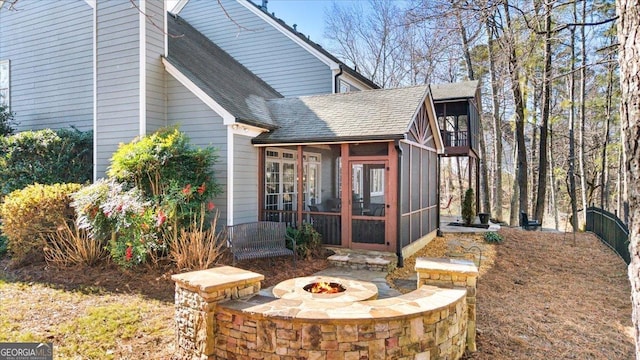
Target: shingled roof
{"type": "Point", "coordinates": [221, 77]}
{"type": "Point", "coordinates": [452, 91]}
{"type": "Point", "coordinates": [363, 115]}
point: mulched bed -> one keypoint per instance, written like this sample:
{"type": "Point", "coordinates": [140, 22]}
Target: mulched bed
{"type": "Point", "coordinates": [154, 283]}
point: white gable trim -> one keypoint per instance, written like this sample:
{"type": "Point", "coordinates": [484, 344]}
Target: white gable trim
{"type": "Point", "coordinates": [175, 6]}
{"type": "Point", "coordinates": [246, 130]}
{"type": "Point", "coordinates": [91, 3]}
{"type": "Point", "coordinates": [227, 117]}
{"type": "Point", "coordinates": [354, 81]}
{"type": "Point", "coordinates": [427, 100]}
{"type": "Point", "coordinates": [433, 121]}
{"type": "Point", "coordinates": [269, 20]}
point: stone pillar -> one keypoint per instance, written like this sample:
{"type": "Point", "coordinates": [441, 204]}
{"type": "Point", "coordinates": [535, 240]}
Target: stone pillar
{"type": "Point", "coordinates": [197, 294]}
{"type": "Point", "coordinates": [453, 273]}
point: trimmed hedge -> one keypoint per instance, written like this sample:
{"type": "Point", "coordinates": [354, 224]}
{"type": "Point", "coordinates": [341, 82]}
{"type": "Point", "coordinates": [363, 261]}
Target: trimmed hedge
{"type": "Point", "coordinates": [31, 213]}
{"type": "Point", "coordinates": [45, 157]}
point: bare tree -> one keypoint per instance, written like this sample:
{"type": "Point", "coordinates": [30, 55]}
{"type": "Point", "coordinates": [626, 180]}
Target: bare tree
{"type": "Point", "coordinates": [497, 122]}
{"type": "Point", "coordinates": [546, 109]}
{"type": "Point", "coordinates": [371, 40]}
{"type": "Point", "coordinates": [583, 116]}
{"type": "Point", "coordinates": [629, 59]}
{"type": "Point", "coordinates": [514, 71]}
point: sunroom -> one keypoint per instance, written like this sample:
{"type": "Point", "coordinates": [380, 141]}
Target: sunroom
{"type": "Point", "coordinates": [361, 167]}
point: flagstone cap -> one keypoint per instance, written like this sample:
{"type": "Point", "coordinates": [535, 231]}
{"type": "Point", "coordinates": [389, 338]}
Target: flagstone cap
{"type": "Point", "coordinates": [223, 277]}
{"type": "Point", "coordinates": [457, 266]}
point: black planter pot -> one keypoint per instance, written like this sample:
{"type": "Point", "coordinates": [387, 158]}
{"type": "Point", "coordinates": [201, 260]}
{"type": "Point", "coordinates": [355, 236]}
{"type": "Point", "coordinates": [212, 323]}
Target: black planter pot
{"type": "Point", "coordinates": [484, 218]}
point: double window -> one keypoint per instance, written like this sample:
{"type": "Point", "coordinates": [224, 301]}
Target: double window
{"type": "Point", "coordinates": [281, 179]}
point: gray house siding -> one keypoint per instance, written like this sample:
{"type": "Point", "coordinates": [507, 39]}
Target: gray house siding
{"type": "Point", "coordinates": [51, 76]}
{"type": "Point", "coordinates": [155, 74]}
{"type": "Point", "coordinates": [117, 77]}
{"type": "Point", "coordinates": [260, 47]}
{"type": "Point", "coordinates": [204, 127]}
{"type": "Point", "coordinates": [245, 180]}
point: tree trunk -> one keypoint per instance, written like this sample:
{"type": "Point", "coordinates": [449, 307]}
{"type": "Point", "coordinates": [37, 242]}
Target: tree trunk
{"type": "Point", "coordinates": [604, 192]}
{"type": "Point", "coordinates": [619, 189]}
{"type": "Point", "coordinates": [572, 151]}
{"type": "Point", "coordinates": [461, 187]}
{"type": "Point", "coordinates": [546, 109]}
{"type": "Point", "coordinates": [629, 58]}
{"type": "Point", "coordinates": [552, 181]}
{"type": "Point", "coordinates": [583, 117]}
{"type": "Point", "coordinates": [514, 214]}
{"type": "Point", "coordinates": [514, 71]}
{"type": "Point", "coordinates": [483, 193]}
{"type": "Point", "coordinates": [497, 129]}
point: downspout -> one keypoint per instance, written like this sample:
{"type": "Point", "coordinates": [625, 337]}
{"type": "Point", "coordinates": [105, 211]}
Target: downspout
{"type": "Point", "coordinates": [399, 208]}
{"type": "Point", "coordinates": [335, 79]}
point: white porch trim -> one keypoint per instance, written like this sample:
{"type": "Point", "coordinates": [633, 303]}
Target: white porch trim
{"type": "Point", "coordinates": [230, 168]}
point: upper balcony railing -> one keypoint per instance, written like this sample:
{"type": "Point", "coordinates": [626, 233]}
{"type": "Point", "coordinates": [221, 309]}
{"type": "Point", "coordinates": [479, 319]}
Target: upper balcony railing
{"type": "Point", "coordinates": [455, 138]}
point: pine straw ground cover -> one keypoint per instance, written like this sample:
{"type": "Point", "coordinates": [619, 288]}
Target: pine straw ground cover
{"type": "Point", "coordinates": [539, 297]}
{"type": "Point", "coordinates": [550, 297]}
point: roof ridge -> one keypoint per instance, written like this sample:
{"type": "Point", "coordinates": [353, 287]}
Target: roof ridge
{"type": "Point", "coordinates": [351, 93]}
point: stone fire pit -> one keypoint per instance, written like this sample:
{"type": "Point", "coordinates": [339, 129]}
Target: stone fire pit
{"type": "Point", "coordinates": [220, 315]}
{"type": "Point", "coordinates": [355, 290]}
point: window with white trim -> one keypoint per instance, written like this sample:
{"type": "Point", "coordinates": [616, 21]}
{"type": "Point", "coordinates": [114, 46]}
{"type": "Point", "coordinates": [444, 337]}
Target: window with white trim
{"type": "Point", "coordinates": [4, 82]}
{"type": "Point", "coordinates": [281, 175]}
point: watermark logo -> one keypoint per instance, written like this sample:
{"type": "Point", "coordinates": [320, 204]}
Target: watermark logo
{"type": "Point", "coordinates": [26, 351]}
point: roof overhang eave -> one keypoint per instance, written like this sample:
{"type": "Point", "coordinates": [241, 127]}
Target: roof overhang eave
{"type": "Point", "coordinates": [328, 140]}
{"type": "Point", "coordinates": [258, 124]}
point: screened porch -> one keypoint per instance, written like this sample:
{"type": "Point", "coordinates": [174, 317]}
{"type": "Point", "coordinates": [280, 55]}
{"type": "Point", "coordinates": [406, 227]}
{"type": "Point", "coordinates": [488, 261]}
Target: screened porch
{"type": "Point", "coordinates": [343, 191]}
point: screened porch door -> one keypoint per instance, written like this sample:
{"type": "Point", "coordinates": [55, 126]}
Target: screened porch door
{"type": "Point", "coordinates": [368, 205]}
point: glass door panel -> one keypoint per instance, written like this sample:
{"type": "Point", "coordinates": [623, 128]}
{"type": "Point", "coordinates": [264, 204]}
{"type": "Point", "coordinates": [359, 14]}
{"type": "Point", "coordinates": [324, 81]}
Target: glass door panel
{"type": "Point", "coordinates": [368, 204]}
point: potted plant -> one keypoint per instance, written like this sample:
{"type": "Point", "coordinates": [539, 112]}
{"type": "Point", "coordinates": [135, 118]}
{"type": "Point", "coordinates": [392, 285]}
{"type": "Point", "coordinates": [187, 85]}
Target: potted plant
{"type": "Point", "coordinates": [484, 218]}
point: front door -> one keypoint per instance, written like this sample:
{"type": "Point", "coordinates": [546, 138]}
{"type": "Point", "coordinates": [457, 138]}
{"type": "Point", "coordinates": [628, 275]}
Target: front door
{"type": "Point", "coordinates": [368, 205]}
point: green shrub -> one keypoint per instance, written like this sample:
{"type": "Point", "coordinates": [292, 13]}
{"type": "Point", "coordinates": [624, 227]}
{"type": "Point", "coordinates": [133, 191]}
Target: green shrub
{"type": "Point", "coordinates": [156, 185]}
{"type": "Point", "coordinates": [3, 244]}
{"type": "Point", "coordinates": [308, 241]}
{"type": "Point", "coordinates": [29, 214]}
{"type": "Point", "coordinates": [169, 171]}
{"type": "Point", "coordinates": [45, 157]}
{"type": "Point", "coordinates": [6, 121]}
{"type": "Point", "coordinates": [122, 218]}
{"type": "Point", "coordinates": [468, 208]}
{"type": "Point", "coordinates": [493, 237]}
